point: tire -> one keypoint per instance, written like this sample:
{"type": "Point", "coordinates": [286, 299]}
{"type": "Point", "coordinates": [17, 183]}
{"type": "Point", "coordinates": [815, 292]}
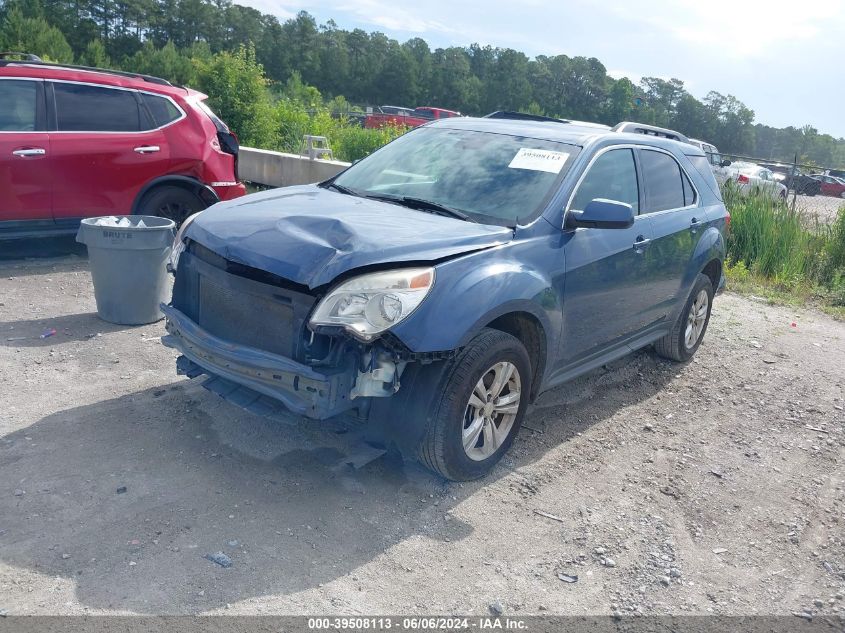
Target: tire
{"type": "Point", "coordinates": [453, 420]}
{"type": "Point", "coordinates": [842, 194]}
{"type": "Point", "coordinates": [173, 203]}
{"type": "Point", "coordinates": [674, 345]}
{"type": "Point", "coordinates": [782, 196]}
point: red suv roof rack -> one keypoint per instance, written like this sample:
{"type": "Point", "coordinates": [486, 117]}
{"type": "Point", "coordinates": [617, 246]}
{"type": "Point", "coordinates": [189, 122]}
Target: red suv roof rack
{"type": "Point", "coordinates": [29, 59]}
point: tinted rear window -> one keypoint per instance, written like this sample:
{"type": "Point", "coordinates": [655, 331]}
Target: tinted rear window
{"type": "Point", "coordinates": [162, 110]}
{"type": "Point", "coordinates": [662, 178]}
{"type": "Point", "coordinates": [81, 108]}
{"type": "Point", "coordinates": [17, 105]}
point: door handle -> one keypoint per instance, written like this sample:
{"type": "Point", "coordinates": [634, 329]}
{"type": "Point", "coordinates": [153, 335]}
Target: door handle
{"type": "Point", "coordinates": [641, 244]}
{"type": "Point", "coordinates": [147, 149]}
{"type": "Point", "coordinates": [30, 151]}
{"type": "Point", "coordinates": [694, 224]}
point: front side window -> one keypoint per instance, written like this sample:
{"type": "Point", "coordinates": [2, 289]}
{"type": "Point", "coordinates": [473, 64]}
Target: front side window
{"type": "Point", "coordinates": [18, 101]}
{"type": "Point", "coordinates": [613, 176]}
{"type": "Point", "coordinates": [83, 108]}
{"type": "Point", "coordinates": [494, 178]}
{"type": "Point", "coordinates": [663, 179]}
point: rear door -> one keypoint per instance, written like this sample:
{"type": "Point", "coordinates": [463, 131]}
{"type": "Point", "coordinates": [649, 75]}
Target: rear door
{"type": "Point", "coordinates": [607, 297]}
{"type": "Point", "coordinates": [672, 204]}
{"type": "Point", "coordinates": [103, 148]}
{"type": "Point", "coordinates": [25, 162]}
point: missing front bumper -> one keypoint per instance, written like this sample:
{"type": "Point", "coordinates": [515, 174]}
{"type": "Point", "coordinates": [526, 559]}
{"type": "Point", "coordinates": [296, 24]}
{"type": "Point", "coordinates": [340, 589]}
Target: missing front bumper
{"type": "Point", "coordinates": [298, 387]}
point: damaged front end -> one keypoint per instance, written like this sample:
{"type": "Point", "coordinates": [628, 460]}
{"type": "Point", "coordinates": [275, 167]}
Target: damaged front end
{"type": "Point", "coordinates": [273, 346]}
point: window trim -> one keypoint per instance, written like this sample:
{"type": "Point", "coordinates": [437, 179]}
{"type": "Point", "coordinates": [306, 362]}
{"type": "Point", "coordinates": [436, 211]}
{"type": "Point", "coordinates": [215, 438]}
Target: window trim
{"type": "Point", "coordinates": [696, 203]}
{"type": "Point", "coordinates": [53, 121]}
{"type": "Point", "coordinates": [631, 146]}
{"type": "Point", "coordinates": [40, 106]}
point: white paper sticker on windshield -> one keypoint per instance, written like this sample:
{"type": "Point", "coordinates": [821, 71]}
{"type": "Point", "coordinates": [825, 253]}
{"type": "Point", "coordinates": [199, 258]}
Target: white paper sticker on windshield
{"type": "Point", "coordinates": [539, 160]}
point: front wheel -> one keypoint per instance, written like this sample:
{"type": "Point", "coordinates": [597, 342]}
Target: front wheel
{"type": "Point", "coordinates": [477, 407]}
{"type": "Point", "coordinates": [688, 332]}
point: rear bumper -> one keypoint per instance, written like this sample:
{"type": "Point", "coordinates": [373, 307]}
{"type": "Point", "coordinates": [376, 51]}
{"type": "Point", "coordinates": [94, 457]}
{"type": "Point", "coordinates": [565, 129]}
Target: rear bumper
{"type": "Point", "coordinates": [229, 191]}
{"type": "Point", "coordinates": [298, 387]}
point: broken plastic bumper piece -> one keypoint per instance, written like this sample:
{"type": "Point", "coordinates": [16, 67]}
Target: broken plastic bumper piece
{"type": "Point", "coordinates": [255, 379]}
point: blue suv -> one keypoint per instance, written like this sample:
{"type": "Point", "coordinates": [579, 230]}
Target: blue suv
{"type": "Point", "coordinates": [435, 288]}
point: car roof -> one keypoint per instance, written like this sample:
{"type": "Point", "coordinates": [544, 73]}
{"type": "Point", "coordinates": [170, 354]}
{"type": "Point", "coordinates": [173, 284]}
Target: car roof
{"type": "Point", "coordinates": [572, 133]}
{"type": "Point", "coordinates": [39, 70]}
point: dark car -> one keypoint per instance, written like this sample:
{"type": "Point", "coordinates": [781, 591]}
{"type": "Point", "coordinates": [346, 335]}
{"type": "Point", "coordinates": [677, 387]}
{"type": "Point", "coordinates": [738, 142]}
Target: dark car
{"type": "Point", "coordinates": [793, 178]}
{"type": "Point", "coordinates": [78, 142]}
{"type": "Point", "coordinates": [435, 288]}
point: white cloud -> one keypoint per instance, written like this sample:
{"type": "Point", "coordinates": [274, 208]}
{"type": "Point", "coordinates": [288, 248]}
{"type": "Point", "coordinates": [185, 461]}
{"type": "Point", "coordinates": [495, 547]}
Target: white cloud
{"type": "Point", "coordinates": [393, 16]}
{"type": "Point", "coordinates": [744, 29]}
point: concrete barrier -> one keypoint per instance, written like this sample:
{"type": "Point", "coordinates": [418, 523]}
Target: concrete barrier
{"type": "Point", "coordinates": [277, 169]}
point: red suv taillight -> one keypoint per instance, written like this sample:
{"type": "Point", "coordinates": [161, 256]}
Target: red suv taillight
{"type": "Point", "coordinates": [742, 179]}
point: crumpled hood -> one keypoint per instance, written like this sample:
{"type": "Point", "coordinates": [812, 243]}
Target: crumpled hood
{"type": "Point", "coordinates": [311, 235]}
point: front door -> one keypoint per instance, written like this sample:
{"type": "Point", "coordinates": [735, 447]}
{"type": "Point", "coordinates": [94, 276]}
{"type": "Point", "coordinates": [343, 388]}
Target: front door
{"type": "Point", "coordinates": [25, 160]}
{"type": "Point", "coordinates": [607, 294]}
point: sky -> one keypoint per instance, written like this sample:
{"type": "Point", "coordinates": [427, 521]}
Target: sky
{"type": "Point", "coordinates": [786, 61]}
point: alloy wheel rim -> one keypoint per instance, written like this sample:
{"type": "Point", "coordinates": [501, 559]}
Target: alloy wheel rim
{"type": "Point", "coordinates": [696, 319]}
{"type": "Point", "coordinates": [491, 411]}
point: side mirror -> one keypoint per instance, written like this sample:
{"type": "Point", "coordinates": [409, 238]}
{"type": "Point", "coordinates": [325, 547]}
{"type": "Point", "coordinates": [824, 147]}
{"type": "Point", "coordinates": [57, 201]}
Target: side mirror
{"type": "Point", "coordinates": [602, 214]}
{"type": "Point", "coordinates": [725, 163]}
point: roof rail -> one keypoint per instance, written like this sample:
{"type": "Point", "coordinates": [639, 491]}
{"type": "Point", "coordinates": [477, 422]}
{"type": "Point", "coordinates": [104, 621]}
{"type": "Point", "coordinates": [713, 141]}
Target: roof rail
{"type": "Point", "coordinates": [522, 116]}
{"type": "Point", "coordinates": [35, 60]}
{"type": "Point", "coordinates": [29, 57]}
{"type": "Point", "coordinates": [649, 130]}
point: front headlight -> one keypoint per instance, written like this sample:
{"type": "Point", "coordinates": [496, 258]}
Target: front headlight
{"type": "Point", "coordinates": [179, 243]}
{"type": "Point", "coordinates": [371, 304]}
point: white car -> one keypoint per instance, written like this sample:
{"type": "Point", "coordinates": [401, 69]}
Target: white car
{"type": "Point", "coordinates": [750, 178]}
{"type": "Point", "coordinates": [717, 163]}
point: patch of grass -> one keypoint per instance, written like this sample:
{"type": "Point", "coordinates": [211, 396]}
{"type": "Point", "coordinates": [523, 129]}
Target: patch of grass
{"type": "Point", "coordinates": [784, 256]}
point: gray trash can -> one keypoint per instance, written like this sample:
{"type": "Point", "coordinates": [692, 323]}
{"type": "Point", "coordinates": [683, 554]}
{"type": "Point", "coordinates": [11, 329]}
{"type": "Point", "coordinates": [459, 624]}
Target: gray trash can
{"type": "Point", "coordinates": [128, 265]}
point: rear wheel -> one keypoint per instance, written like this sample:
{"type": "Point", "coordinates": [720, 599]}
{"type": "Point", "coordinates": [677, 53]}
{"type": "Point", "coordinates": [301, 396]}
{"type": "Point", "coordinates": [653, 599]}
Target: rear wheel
{"type": "Point", "coordinates": [477, 407]}
{"type": "Point", "coordinates": [173, 203]}
{"type": "Point", "coordinates": [688, 332]}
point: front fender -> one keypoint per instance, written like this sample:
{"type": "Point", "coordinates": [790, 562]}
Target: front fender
{"type": "Point", "coordinates": [471, 291]}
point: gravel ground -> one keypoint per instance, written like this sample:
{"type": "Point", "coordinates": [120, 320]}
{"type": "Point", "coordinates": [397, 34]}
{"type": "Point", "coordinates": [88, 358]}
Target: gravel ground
{"type": "Point", "coordinates": [712, 487]}
{"type": "Point", "coordinates": [824, 207]}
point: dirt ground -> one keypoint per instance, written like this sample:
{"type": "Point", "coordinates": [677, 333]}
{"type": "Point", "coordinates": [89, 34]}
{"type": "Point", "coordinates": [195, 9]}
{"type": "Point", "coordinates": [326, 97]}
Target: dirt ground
{"type": "Point", "coordinates": [714, 487]}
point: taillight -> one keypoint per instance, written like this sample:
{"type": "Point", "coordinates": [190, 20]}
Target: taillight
{"type": "Point", "coordinates": [742, 179]}
{"type": "Point", "coordinates": [727, 220]}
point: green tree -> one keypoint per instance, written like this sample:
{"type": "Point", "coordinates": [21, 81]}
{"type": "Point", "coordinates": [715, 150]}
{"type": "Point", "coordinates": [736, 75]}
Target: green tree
{"type": "Point", "coordinates": [166, 62]}
{"type": "Point", "coordinates": [237, 92]}
{"type": "Point", "coordinates": [34, 35]}
{"type": "Point", "coordinates": [95, 55]}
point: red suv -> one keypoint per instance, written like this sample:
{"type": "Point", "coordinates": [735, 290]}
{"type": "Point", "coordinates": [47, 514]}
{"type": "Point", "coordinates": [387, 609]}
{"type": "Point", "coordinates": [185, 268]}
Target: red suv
{"type": "Point", "coordinates": [78, 142]}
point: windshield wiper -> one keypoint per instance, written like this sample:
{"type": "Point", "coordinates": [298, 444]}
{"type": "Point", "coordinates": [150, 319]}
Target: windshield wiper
{"type": "Point", "coordinates": [420, 203]}
{"type": "Point", "coordinates": [341, 189]}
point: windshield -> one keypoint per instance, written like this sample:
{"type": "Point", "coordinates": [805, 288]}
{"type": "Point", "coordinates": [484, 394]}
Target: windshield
{"type": "Point", "coordinates": [493, 178]}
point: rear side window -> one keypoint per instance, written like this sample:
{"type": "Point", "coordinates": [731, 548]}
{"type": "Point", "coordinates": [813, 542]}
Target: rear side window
{"type": "Point", "coordinates": [161, 109]}
{"type": "Point", "coordinates": [82, 108]}
{"type": "Point", "coordinates": [18, 101]}
{"type": "Point", "coordinates": [612, 176]}
{"type": "Point", "coordinates": [663, 180]}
